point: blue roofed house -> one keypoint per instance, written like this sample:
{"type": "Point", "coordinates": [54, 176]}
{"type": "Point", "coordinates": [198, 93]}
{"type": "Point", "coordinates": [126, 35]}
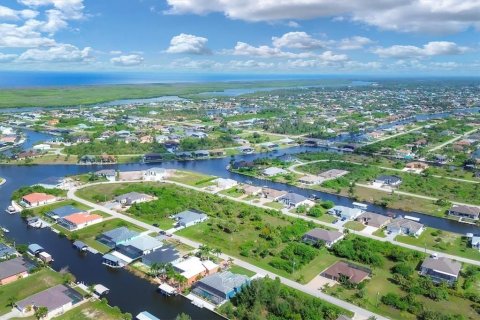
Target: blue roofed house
{"type": "Point", "coordinates": [137, 247]}
{"type": "Point", "coordinates": [116, 237]}
{"type": "Point", "coordinates": [63, 212]}
{"type": "Point", "coordinates": [220, 286]}
{"type": "Point", "coordinates": [189, 218]}
{"type": "Point", "coordinates": [164, 255]}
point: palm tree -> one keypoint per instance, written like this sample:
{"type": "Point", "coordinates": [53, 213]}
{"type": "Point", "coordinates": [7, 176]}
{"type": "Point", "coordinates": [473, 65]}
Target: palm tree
{"type": "Point", "coordinates": [217, 252]}
{"type": "Point", "coordinates": [204, 251]}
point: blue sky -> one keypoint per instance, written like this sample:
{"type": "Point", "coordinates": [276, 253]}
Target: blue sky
{"type": "Point", "coordinates": [434, 37]}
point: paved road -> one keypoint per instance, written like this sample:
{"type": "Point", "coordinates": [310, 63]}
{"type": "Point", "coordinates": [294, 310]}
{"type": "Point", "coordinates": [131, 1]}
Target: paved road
{"type": "Point", "coordinates": [453, 140]}
{"type": "Point", "coordinates": [360, 313]}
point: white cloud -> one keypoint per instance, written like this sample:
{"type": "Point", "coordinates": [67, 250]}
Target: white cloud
{"type": "Point", "coordinates": [245, 49]}
{"type": "Point", "coordinates": [10, 14]}
{"type": "Point", "coordinates": [4, 57]}
{"type": "Point", "coordinates": [24, 36]}
{"type": "Point", "coordinates": [58, 53]}
{"type": "Point", "coordinates": [188, 43]}
{"type": "Point", "coordinates": [437, 16]}
{"type": "Point", "coordinates": [71, 9]}
{"type": "Point", "coordinates": [354, 43]}
{"type": "Point", "coordinates": [434, 48]}
{"type": "Point", "coordinates": [250, 64]}
{"type": "Point", "coordinates": [187, 63]}
{"type": "Point", "coordinates": [297, 40]}
{"type": "Point", "coordinates": [127, 60]}
{"type": "Point", "coordinates": [293, 24]}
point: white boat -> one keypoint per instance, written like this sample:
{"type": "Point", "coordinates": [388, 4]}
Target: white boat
{"type": "Point", "coordinates": [11, 210]}
{"type": "Point", "coordinates": [412, 218]}
{"type": "Point", "coordinates": [5, 230]}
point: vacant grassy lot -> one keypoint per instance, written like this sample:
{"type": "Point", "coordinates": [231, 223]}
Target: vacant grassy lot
{"type": "Point", "coordinates": [443, 241]}
{"type": "Point", "coordinates": [192, 178]}
{"type": "Point", "coordinates": [240, 270]}
{"type": "Point", "coordinates": [93, 310]}
{"type": "Point", "coordinates": [24, 288]}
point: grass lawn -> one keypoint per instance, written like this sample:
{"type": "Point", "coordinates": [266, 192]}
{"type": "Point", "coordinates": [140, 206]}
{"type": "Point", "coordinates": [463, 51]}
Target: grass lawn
{"type": "Point", "coordinates": [380, 233]}
{"type": "Point", "coordinates": [181, 247]}
{"type": "Point", "coordinates": [92, 310]}
{"type": "Point", "coordinates": [88, 234]}
{"type": "Point", "coordinates": [327, 218]}
{"type": "Point", "coordinates": [354, 225]}
{"type": "Point", "coordinates": [275, 205]}
{"type": "Point", "coordinates": [192, 178]}
{"type": "Point", "coordinates": [26, 287]}
{"type": "Point", "coordinates": [233, 192]}
{"type": "Point", "coordinates": [240, 270]}
{"type": "Point", "coordinates": [44, 209]}
{"type": "Point", "coordinates": [442, 241]}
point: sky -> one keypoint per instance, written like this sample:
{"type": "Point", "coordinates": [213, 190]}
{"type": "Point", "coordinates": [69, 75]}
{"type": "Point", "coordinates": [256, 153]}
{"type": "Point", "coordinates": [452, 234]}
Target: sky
{"type": "Point", "coordinates": [420, 37]}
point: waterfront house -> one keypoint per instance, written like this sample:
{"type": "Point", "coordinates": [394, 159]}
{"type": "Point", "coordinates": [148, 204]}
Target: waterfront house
{"type": "Point", "coordinates": [251, 190]}
{"type": "Point", "coordinates": [193, 268]}
{"type": "Point", "coordinates": [109, 174]}
{"type": "Point", "coordinates": [152, 157]}
{"type": "Point", "coordinates": [405, 227]}
{"type": "Point", "coordinates": [242, 165]}
{"type": "Point", "coordinates": [273, 194]}
{"type": "Point", "coordinates": [79, 221]}
{"type": "Point", "coordinates": [130, 198]}
{"type": "Point", "coordinates": [201, 153]}
{"type": "Point", "coordinates": [294, 200]}
{"type": "Point", "coordinates": [386, 180]}
{"type": "Point", "coordinates": [346, 213]}
{"type": "Point", "coordinates": [353, 273]}
{"type": "Point", "coordinates": [273, 171]}
{"type": "Point", "coordinates": [116, 237]}
{"type": "Point", "coordinates": [57, 300]}
{"type": "Point", "coordinates": [311, 180]}
{"type": "Point", "coordinates": [63, 211]}
{"type": "Point", "coordinates": [13, 269]}
{"type": "Point", "coordinates": [154, 174]}
{"type": "Point", "coordinates": [220, 286]}
{"type": "Point", "coordinates": [322, 236]}
{"type": "Point", "coordinates": [441, 269]}
{"type": "Point", "coordinates": [224, 184]}
{"type": "Point", "coordinates": [144, 244]}
{"type": "Point", "coordinates": [189, 218]}
{"type": "Point", "coordinates": [373, 219]}
{"type": "Point", "coordinates": [37, 199]}
{"type": "Point", "coordinates": [463, 211]}
{"type": "Point", "coordinates": [164, 255]}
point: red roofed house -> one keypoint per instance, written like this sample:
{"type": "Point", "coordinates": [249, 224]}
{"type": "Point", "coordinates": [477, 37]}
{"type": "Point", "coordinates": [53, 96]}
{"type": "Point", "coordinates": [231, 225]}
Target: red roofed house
{"type": "Point", "coordinates": [37, 199]}
{"type": "Point", "coordinates": [79, 220]}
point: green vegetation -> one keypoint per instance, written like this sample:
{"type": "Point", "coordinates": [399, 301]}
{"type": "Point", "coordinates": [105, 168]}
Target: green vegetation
{"type": "Point", "coordinates": [222, 141]}
{"type": "Point", "coordinates": [98, 309]}
{"type": "Point", "coordinates": [23, 288]}
{"type": "Point", "coordinates": [113, 147]}
{"type": "Point", "coordinates": [269, 299]}
{"type": "Point", "coordinates": [354, 225]}
{"type": "Point", "coordinates": [443, 241]}
{"type": "Point", "coordinates": [240, 270]}
{"type": "Point", "coordinates": [19, 193]}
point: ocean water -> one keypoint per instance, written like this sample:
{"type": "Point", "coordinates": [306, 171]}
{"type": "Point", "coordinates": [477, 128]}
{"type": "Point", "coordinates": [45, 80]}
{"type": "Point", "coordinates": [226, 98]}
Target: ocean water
{"type": "Point", "coordinates": [20, 79]}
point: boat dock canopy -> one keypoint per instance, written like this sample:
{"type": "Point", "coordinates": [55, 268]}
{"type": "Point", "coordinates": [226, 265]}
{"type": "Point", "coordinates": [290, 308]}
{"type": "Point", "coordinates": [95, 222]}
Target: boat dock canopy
{"type": "Point", "coordinates": [167, 289]}
{"type": "Point", "coordinates": [144, 315]}
{"type": "Point", "coordinates": [100, 289]}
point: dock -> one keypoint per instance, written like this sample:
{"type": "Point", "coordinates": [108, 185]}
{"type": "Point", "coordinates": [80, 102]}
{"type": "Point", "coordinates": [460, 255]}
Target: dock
{"type": "Point", "coordinates": [412, 218]}
{"type": "Point", "coordinates": [145, 315]}
{"type": "Point", "coordinates": [167, 289]}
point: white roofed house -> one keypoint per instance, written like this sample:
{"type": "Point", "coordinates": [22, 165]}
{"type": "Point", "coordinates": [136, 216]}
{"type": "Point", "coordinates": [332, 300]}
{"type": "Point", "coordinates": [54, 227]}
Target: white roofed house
{"type": "Point", "coordinates": [224, 184]}
{"type": "Point", "coordinates": [441, 269]}
{"type": "Point", "coordinates": [345, 212]}
{"type": "Point", "coordinates": [311, 180]}
{"type": "Point", "coordinates": [189, 218]}
{"type": "Point", "coordinates": [132, 198]}
{"type": "Point", "coordinates": [320, 235]}
{"type": "Point", "coordinates": [294, 200]}
{"type": "Point", "coordinates": [155, 174]}
{"type": "Point", "coordinates": [273, 171]}
{"type": "Point", "coordinates": [406, 227]}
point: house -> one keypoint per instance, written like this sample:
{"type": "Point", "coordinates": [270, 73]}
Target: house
{"type": "Point", "coordinates": [346, 213]}
{"type": "Point", "coordinates": [6, 251]}
{"type": "Point", "coordinates": [416, 166]}
{"type": "Point", "coordinates": [80, 220]}
{"type": "Point", "coordinates": [273, 171]}
{"type": "Point", "coordinates": [242, 165]}
{"type": "Point", "coordinates": [385, 180]}
{"type": "Point", "coordinates": [189, 218]}
{"type": "Point", "coordinates": [116, 237]}
{"type": "Point", "coordinates": [152, 157]}
{"type": "Point", "coordinates": [164, 255]}
{"type": "Point", "coordinates": [62, 212]}
{"type": "Point", "coordinates": [251, 190]}
{"type": "Point", "coordinates": [14, 269]}
{"type": "Point", "coordinates": [406, 227]}
{"type": "Point", "coordinates": [130, 198]}
{"type": "Point", "coordinates": [220, 286]}
{"type": "Point", "coordinates": [193, 268]}
{"type": "Point", "coordinates": [109, 174]}
{"type": "Point", "coordinates": [201, 153]}
{"type": "Point", "coordinates": [353, 273]}
{"type": "Point", "coordinates": [224, 184]}
{"type": "Point", "coordinates": [441, 269]}
{"type": "Point", "coordinates": [294, 200]}
{"type": "Point", "coordinates": [463, 211]}
{"type": "Point", "coordinates": [273, 194]}
{"type": "Point", "coordinates": [321, 235]}
{"type": "Point", "coordinates": [373, 219]}
{"type": "Point", "coordinates": [57, 300]}
{"type": "Point", "coordinates": [311, 180]}
{"type": "Point", "coordinates": [37, 199]}
{"type": "Point", "coordinates": [333, 174]}
{"type": "Point", "coordinates": [144, 244]}
{"type": "Point", "coordinates": [155, 174]}
{"type": "Point", "coordinates": [475, 241]}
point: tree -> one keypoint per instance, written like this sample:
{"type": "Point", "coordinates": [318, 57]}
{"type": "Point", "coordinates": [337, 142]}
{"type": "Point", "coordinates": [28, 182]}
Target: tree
{"type": "Point", "coordinates": [41, 312]}
{"type": "Point", "coordinates": [217, 252]}
{"type": "Point", "coordinates": [183, 316]}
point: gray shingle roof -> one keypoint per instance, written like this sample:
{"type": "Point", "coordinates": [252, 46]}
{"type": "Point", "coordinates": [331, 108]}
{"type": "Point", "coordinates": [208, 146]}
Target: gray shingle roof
{"type": "Point", "coordinates": [13, 267]}
{"type": "Point", "coordinates": [443, 265]}
{"type": "Point", "coordinates": [224, 281]}
{"type": "Point", "coordinates": [325, 235]}
{"type": "Point", "coordinates": [52, 298]}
